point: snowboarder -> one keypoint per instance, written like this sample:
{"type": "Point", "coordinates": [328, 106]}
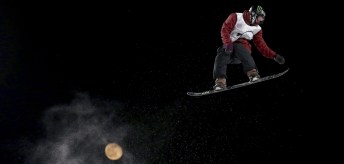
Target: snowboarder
{"type": "Point", "coordinates": [236, 32]}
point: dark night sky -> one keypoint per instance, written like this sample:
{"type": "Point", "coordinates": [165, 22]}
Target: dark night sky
{"type": "Point", "coordinates": [76, 74]}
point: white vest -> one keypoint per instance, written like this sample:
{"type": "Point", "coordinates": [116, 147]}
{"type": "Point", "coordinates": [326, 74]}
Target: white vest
{"type": "Point", "coordinates": [242, 30]}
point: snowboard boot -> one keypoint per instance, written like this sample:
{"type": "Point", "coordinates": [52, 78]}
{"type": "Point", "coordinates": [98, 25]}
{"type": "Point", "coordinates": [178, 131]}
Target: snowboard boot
{"type": "Point", "coordinates": [253, 75]}
{"type": "Point", "coordinates": [220, 84]}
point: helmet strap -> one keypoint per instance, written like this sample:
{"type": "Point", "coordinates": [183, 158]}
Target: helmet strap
{"type": "Point", "coordinates": [253, 18]}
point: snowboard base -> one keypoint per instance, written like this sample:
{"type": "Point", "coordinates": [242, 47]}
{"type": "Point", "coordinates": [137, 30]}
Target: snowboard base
{"type": "Point", "coordinates": [208, 92]}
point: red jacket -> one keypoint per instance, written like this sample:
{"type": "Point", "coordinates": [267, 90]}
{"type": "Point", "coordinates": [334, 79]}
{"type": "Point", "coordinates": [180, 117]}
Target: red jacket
{"type": "Point", "coordinates": [258, 40]}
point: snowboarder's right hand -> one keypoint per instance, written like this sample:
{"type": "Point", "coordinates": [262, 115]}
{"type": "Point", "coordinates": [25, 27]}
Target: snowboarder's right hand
{"type": "Point", "coordinates": [279, 59]}
{"type": "Point", "coordinates": [228, 47]}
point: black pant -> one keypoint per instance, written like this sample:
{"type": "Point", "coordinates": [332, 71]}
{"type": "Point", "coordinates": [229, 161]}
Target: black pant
{"type": "Point", "coordinates": [239, 55]}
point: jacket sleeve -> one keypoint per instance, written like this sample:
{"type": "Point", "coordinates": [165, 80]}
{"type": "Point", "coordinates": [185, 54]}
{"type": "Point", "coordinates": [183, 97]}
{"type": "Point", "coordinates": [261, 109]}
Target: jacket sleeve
{"type": "Point", "coordinates": [262, 46]}
{"type": "Point", "coordinates": [227, 28]}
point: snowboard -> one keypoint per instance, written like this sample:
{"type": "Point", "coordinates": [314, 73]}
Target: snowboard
{"type": "Point", "coordinates": [211, 91]}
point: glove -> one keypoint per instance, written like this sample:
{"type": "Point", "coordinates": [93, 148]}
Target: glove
{"type": "Point", "coordinates": [228, 47]}
{"type": "Point", "coordinates": [279, 59]}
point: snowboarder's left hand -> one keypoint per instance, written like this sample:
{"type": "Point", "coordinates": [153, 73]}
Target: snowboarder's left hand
{"type": "Point", "coordinates": [279, 59]}
{"type": "Point", "coordinates": [228, 48]}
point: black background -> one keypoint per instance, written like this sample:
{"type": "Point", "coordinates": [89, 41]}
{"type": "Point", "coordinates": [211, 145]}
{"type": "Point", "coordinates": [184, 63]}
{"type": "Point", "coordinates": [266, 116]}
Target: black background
{"type": "Point", "coordinates": [146, 56]}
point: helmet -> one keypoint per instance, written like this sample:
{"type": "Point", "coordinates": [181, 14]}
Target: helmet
{"type": "Point", "coordinates": [256, 11]}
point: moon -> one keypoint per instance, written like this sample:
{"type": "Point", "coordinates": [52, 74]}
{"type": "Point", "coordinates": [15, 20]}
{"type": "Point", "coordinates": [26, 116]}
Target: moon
{"type": "Point", "coordinates": [113, 151]}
